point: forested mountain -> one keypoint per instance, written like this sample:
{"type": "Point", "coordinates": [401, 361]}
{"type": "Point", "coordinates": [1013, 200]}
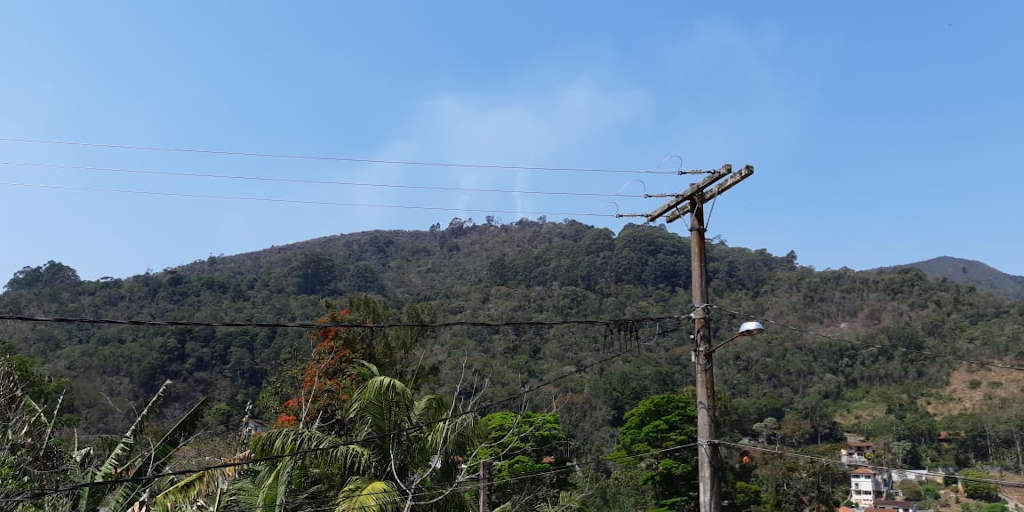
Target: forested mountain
{"type": "Point", "coordinates": [916, 327]}
{"type": "Point", "coordinates": [971, 272]}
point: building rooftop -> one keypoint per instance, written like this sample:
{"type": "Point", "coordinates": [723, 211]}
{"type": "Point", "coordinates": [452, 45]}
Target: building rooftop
{"type": "Point", "coordinates": [894, 503]}
{"type": "Point", "coordinates": [863, 471]}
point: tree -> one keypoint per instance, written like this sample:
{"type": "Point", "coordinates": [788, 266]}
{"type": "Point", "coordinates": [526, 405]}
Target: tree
{"type": "Point", "coordinates": [51, 274]}
{"type": "Point", "coordinates": [979, 490]}
{"type": "Point", "coordinates": [314, 274]}
{"type": "Point", "coordinates": [911, 490]}
{"type": "Point", "coordinates": [900, 449]}
{"type": "Point", "coordinates": [28, 457]}
{"type": "Point", "coordinates": [333, 372]}
{"type": "Point", "coordinates": [407, 454]}
{"type": "Point", "coordinates": [652, 440]}
{"type": "Point", "coordinates": [130, 460]}
{"type": "Point", "coordinates": [789, 483]}
{"type": "Point", "coordinates": [522, 444]}
{"type": "Point", "coordinates": [794, 429]}
{"type": "Point", "coordinates": [768, 430]}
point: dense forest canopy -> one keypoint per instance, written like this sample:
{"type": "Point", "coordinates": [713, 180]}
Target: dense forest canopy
{"type": "Point", "coordinates": [522, 271]}
{"type": "Point", "coordinates": [881, 354]}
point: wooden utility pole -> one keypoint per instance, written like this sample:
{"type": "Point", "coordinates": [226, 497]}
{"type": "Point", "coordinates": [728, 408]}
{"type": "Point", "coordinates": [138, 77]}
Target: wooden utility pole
{"type": "Point", "coordinates": [709, 462]}
{"type": "Point", "coordinates": [486, 469]}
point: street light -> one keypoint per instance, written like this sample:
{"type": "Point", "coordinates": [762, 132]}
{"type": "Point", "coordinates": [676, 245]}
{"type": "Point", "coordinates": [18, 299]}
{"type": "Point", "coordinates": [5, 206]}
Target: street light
{"type": "Point", "coordinates": [746, 329]}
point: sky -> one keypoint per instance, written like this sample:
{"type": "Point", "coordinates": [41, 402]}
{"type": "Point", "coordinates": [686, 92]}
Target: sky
{"type": "Point", "coordinates": [881, 132]}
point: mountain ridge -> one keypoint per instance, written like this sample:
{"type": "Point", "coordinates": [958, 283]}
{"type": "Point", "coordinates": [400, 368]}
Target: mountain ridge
{"type": "Point", "coordinates": [526, 270]}
{"type": "Point", "coordinates": [970, 272]}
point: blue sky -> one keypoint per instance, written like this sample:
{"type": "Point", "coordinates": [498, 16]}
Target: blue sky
{"type": "Point", "coordinates": [882, 133]}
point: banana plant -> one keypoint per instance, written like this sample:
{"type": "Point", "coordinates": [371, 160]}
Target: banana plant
{"type": "Point", "coordinates": [128, 465]}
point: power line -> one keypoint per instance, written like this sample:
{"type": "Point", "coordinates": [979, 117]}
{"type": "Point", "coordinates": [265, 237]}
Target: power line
{"type": "Point", "coordinates": [871, 345]}
{"type": "Point", "coordinates": [826, 460]}
{"type": "Point", "coordinates": [338, 158]}
{"type": "Point", "coordinates": [423, 491]}
{"type": "Point", "coordinates": [298, 325]}
{"type": "Point", "coordinates": [303, 202]}
{"type": "Point", "coordinates": [38, 493]}
{"type": "Point", "coordinates": [308, 181]}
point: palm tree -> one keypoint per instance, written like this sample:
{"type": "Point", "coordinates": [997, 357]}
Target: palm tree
{"type": "Point", "coordinates": [405, 454]}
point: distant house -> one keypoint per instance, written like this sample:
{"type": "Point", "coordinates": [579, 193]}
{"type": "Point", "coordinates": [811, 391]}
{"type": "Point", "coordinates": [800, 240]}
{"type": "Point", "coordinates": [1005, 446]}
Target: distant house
{"type": "Point", "coordinates": [866, 486]}
{"type": "Point", "coordinates": [856, 453]}
{"type": "Point", "coordinates": [254, 426]}
{"type": "Point", "coordinates": [897, 505]}
{"type": "Point", "coordinates": [916, 475]}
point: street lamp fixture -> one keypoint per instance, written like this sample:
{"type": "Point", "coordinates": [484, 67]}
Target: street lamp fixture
{"type": "Point", "coordinates": [746, 329]}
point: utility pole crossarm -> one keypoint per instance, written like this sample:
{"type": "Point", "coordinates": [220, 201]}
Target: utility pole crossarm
{"type": "Point", "coordinates": [719, 189]}
{"type": "Point", "coordinates": [689, 192]}
{"type": "Point", "coordinates": [691, 201]}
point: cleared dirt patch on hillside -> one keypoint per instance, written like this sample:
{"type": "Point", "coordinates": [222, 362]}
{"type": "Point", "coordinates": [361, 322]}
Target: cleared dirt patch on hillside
{"type": "Point", "coordinates": [865, 410]}
{"type": "Point", "coordinates": [971, 386]}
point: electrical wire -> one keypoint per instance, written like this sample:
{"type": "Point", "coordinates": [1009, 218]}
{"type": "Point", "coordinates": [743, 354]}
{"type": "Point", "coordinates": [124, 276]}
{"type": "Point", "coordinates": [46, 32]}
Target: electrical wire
{"type": "Point", "coordinates": [333, 158]}
{"type": "Point", "coordinates": [932, 353]}
{"type": "Point", "coordinates": [415, 428]}
{"type": "Point", "coordinates": [293, 325]}
{"type": "Point", "coordinates": [299, 201]}
{"type": "Point", "coordinates": [423, 491]}
{"type": "Point", "coordinates": [826, 460]}
{"type": "Point", "coordinates": [307, 181]}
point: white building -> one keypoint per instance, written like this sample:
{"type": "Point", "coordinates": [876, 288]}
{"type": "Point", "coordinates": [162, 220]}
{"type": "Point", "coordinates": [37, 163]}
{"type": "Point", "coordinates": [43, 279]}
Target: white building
{"type": "Point", "coordinates": [917, 475]}
{"type": "Point", "coordinates": [856, 453]}
{"type": "Point", "coordinates": [865, 486]}
{"type": "Point", "coordinates": [897, 505]}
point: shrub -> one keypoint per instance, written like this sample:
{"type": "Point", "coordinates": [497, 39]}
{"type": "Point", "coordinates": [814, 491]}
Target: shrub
{"type": "Point", "coordinates": [974, 384]}
{"type": "Point", "coordinates": [911, 490]}
{"type": "Point", "coordinates": [979, 490]}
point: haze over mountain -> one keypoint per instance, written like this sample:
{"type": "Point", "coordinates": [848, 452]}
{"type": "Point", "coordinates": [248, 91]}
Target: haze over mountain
{"type": "Point", "coordinates": [973, 273]}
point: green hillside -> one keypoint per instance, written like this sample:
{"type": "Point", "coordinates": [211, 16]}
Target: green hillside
{"type": "Point", "coordinates": [974, 273]}
{"type": "Point", "coordinates": [523, 271]}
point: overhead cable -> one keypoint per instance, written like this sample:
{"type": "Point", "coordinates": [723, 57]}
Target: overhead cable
{"type": "Point", "coordinates": [994, 364]}
{"type": "Point", "coordinates": [333, 158]}
{"type": "Point", "coordinates": [318, 325]}
{"type": "Point", "coordinates": [481, 408]}
{"type": "Point", "coordinates": [307, 181]}
{"type": "Point", "coordinates": [434, 489]}
{"type": "Point", "coordinates": [302, 202]}
{"type": "Point", "coordinates": [826, 460]}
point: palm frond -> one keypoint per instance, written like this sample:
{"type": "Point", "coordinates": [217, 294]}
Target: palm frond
{"type": "Point", "coordinates": [159, 457]}
{"type": "Point", "coordinates": [429, 408]}
{"type": "Point", "coordinates": [383, 404]}
{"type": "Point", "coordinates": [365, 369]}
{"type": "Point", "coordinates": [89, 499]}
{"type": "Point", "coordinates": [196, 486]}
{"type": "Point", "coordinates": [273, 487]}
{"type": "Point", "coordinates": [367, 495]}
{"type": "Point", "coordinates": [330, 451]}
